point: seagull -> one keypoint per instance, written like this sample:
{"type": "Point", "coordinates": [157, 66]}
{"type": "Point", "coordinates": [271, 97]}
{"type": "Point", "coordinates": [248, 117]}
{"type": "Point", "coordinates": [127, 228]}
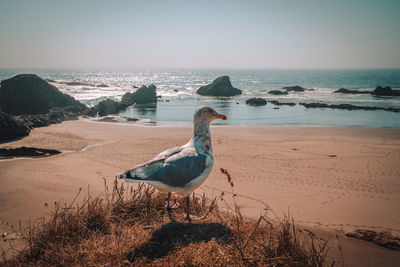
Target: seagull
{"type": "Point", "coordinates": [184, 168]}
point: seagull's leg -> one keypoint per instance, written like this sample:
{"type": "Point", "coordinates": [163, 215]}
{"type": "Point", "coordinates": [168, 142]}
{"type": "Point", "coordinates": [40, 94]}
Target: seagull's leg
{"type": "Point", "coordinates": [169, 207]}
{"type": "Point", "coordinates": [187, 209]}
{"type": "Point", "coordinates": [168, 200]}
{"type": "Point", "coordinates": [171, 204]}
{"type": "Point", "coordinates": [188, 216]}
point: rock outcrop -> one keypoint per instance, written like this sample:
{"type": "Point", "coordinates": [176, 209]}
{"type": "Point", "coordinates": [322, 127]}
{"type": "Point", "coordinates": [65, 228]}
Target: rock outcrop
{"type": "Point", "coordinates": [347, 107]}
{"type": "Point", "coordinates": [348, 91]}
{"type": "Point", "coordinates": [27, 152]}
{"type": "Point", "coordinates": [277, 103]}
{"type": "Point", "coordinates": [277, 92]}
{"type": "Point", "coordinates": [256, 101]}
{"type": "Point", "coordinates": [385, 239]}
{"type": "Point", "coordinates": [106, 107]}
{"type": "Point", "coordinates": [11, 127]}
{"type": "Point", "coordinates": [295, 88]}
{"type": "Point", "coordinates": [55, 115]}
{"type": "Point", "coordinates": [143, 95]}
{"type": "Point", "coordinates": [30, 94]}
{"type": "Point", "coordinates": [385, 91]}
{"type": "Point", "coordinates": [219, 87]}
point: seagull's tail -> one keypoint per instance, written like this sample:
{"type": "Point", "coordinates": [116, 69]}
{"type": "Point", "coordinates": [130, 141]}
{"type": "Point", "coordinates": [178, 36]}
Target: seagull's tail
{"type": "Point", "coordinates": [130, 176]}
{"type": "Point", "coordinates": [127, 177]}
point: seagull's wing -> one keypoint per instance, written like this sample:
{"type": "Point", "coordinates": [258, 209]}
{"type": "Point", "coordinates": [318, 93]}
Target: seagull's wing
{"type": "Point", "coordinates": [144, 170]}
{"type": "Point", "coordinates": [175, 170]}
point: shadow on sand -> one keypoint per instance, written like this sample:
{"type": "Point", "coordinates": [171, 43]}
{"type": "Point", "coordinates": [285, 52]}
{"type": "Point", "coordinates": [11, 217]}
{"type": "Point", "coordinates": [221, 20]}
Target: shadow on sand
{"type": "Point", "coordinates": [171, 235]}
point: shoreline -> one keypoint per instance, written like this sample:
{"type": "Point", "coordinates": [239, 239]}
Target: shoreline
{"type": "Point", "coordinates": [333, 178]}
{"type": "Point", "coordinates": [189, 124]}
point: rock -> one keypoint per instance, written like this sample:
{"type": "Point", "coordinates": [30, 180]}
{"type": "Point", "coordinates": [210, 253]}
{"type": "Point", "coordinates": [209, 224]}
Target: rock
{"type": "Point", "coordinates": [277, 92]}
{"type": "Point", "coordinates": [55, 115]}
{"type": "Point", "coordinates": [27, 152]}
{"type": "Point", "coordinates": [12, 127]}
{"type": "Point", "coordinates": [347, 91]}
{"type": "Point", "coordinates": [219, 87]}
{"type": "Point", "coordinates": [143, 95]}
{"type": "Point", "coordinates": [38, 120]}
{"type": "Point", "coordinates": [385, 239]}
{"type": "Point", "coordinates": [274, 102]}
{"type": "Point", "coordinates": [102, 85]}
{"type": "Point", "coordinates": [110, 106]}
{"type": "Point", "coordinates": [106, 107]}
{"type": "Point", "coordinates": [30, 94]}
{"type": "Point", "coordinates": [131, 119]}
{"type": "Point", "coordinates": [347, 107]}
{"type": "Point", "coordinates": [256, 101]}
{"type": "Point", "coordinates": [73, 83]}
{"type": "Point", "coordinates": [108, 119]}
{"type": "Point", "coordinates": [385, 91]}
{"type": "Point", "coordinates": [295, 88]}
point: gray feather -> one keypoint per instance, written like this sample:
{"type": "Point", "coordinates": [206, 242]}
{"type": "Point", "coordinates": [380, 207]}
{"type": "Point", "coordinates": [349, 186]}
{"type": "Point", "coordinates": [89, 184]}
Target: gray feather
{"type": "Point", "coordinates": [175, 167]}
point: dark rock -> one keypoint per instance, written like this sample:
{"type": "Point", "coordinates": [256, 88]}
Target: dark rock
{"type": "Point", "coordinates": [110, 106]}
{"type": "Point", "coordinates": [55, 115]}
{"type": "Point", "coordinates": [30, 94]}
{"type": "Point", "coordinates": [131, 119]}
{"type": "Point", "coordinates": [108, 119]}
{"type": "Point", "coordinates": [347, 91]}
{"type": "Point", "coordinates": [102, 85]}
{"type": "Point", "coordinates": [385, 91]}
{"type": "Point", "coordinates": [295, 88]}
{"type": "Point", "coordinates": [274, 102]}
{"type": "Point", "coordinates": [347, 107]}
{"type": "Point", "coordinates": [39, 120]}
{"type": "Point", "coordinates": [219, 87]}
{"type": "Point", "coordinates": [277, 92]}
{"type": "Point", "coordinates": [12, 127]}
{"type": "Point", "coordinates": [256, 101]}
{"type": "Point", "coordinates": [76, 83]}
{"type": "Point", "coordinates": [106, 107]}
{"type": "Point", "coordinates": [50, 80]}
{"type": "Point", "coordinates": [385, 239]}
{"type": "Point", "coordinates": [27, 152]}
{"type": "Point", "coordinates": [143, 95]}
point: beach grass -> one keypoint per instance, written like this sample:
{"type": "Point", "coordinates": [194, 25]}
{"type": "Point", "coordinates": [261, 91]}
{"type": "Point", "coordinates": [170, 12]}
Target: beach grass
{"type": "Point", "coordinates": [131, 226]}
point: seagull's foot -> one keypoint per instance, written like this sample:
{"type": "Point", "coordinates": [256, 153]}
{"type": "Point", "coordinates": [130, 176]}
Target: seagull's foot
{"type": "Point", "coordinates": [191, 217]}
{"type": "Point", "coordinates": [169, 204]}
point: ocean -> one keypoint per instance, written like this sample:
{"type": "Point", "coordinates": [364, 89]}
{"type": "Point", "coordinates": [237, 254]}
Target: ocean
{"type": "Point", "coordinates": [177, 88]}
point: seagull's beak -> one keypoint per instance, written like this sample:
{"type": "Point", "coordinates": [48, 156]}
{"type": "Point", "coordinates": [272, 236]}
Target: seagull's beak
{"type": "Point", "coordinates": [222, 117]}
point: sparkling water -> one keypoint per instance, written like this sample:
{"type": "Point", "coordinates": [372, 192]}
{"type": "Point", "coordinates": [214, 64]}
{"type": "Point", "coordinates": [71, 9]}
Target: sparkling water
{"type": "Point", "coordinates": [178, 98]}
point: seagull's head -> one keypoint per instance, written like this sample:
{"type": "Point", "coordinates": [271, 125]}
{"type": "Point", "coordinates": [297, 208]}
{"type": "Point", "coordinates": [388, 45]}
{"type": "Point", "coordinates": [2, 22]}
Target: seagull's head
{"type": "Point", "coordinates": [207, 114]}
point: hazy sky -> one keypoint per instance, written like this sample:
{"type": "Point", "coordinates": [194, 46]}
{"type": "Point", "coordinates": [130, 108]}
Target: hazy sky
{"type": "Point", "coordinates": [190, 34]}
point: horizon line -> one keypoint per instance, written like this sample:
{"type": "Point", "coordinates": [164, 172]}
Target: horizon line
{"type": "Point", "coordinates": [199, 68]}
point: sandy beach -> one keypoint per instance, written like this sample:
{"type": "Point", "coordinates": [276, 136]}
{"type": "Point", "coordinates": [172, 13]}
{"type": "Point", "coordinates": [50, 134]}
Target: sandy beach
{"type": "Point", "coordinates": [334, 180]}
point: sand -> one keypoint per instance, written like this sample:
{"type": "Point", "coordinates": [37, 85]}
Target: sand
{"type": "Point", "coordinates": [332, 180]}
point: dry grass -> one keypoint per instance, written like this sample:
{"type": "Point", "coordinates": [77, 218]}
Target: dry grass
{"type": "Point", "coordinates": [132, 227]}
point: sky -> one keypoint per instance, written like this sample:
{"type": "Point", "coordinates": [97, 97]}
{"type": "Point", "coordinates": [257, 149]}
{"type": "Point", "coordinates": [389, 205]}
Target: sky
{"type": "Point", "coordinates": [200, 34]}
